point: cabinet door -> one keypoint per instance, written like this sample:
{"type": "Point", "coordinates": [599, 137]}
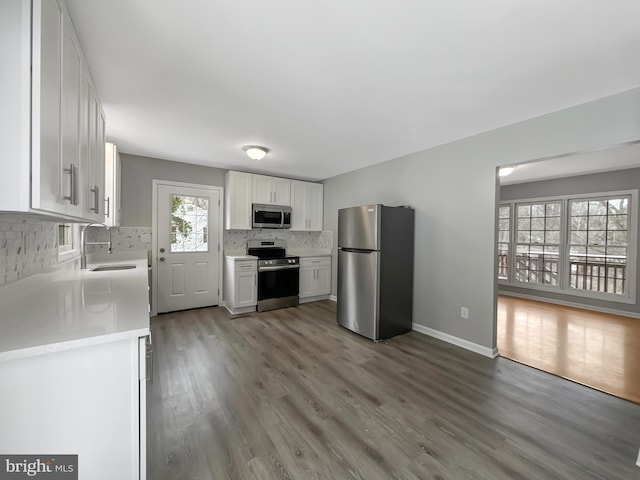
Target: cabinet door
{"type": "Point", "coordinates": [271, 190]}
{"type": "Point", "coordinates": [314, 207]}
{"type": "Point", "coordinates": [246, 289]}
{"type": "Point", "coordinates": [71, 113]}
{"type": "Point", "coordinates": [299, 218]}
{"type": "Point", "coordinates": [307, 281]}
{"type": "Point", "coordinates": [111, 185]}
{"type": "Point", "coordinates": [306, 205]}
{"type": "Point", "coordinates": [281, 188]}
{"type": "Point", "coordinates": [238, 201]}
{"type": "Point", "coordinates": [99, 203]}
{"type": "Point", "coordinates": [46, 162]}
{"type": "Point", "coordinates": [86, 137]}
{"type": "Point", "coordinates": [323, 280]}
{"type": "Point", "coordinates": [93, 194]}
{"type": "Point", "coordinates": [93, 154]}
{"type": "Point", "coordinates": [262, 190]}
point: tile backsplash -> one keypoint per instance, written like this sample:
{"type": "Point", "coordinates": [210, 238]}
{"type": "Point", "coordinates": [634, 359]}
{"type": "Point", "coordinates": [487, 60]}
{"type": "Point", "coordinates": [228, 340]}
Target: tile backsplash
{"type": "Point", "coordinates": [237, 240]}
{"type": "Point", "coordinates": [122, 239]}
{"type": "Point", "coordinates": [27, 246]}
{"type": "Point", "coordinates": [139, 238]}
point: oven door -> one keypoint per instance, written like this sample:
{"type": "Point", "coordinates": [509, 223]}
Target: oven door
{"type": "Point", "coordinates": [278, 282]}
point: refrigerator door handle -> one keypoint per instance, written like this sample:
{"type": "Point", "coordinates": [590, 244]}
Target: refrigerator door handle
{"type": "Point", "coordinates": [357, 250]}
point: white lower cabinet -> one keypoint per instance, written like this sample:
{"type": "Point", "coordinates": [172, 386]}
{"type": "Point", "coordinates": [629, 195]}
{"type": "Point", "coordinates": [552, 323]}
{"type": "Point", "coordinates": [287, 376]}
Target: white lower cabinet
{"type": "Point", "coordinates": [241, 284]}
{"type": "Point", "coordinates": [89, 401]}
{"type": "Point", "coordinates": [315, 278]}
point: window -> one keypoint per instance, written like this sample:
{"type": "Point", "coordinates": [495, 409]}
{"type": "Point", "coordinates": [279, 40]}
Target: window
{"type": "Point", "coordinates": [583, 245]}
{"type": "Point", "coordinates": [598, 244]}
{"type": "Point", "coordinates": [189, 224]}
{"type": "Point", "coordinates": [504, 241]}
{"type": "Point", "coordinates": [68, 241]}
{"type": "Point", "coordinates": [538, 242]}
{"type": "Point", "coordinates": [65, 237]}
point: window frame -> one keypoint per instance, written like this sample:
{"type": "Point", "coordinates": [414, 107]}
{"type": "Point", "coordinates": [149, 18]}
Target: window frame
{"type": "Point", "coordinates": [563, 286]}
{"type": "Point", "coordinates": [515, 243]}
{"type": "Point", "coordinates": [69, 251]}
{"type": "Point", "coordinates": [505, 281]}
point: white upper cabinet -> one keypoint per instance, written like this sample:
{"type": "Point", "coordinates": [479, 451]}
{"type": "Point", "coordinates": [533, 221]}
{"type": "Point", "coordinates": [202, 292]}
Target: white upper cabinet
{"type": "Point", "coordinates": [307, 206]}
{"type": "Point", "coordinates": [42, 119]}
{"type": "Point", "coordinates": [237, 201]}
{"type": "Point", "coordinates": [94, 173]}
{"type": "Point", "coordinates": [112, 186]}
{"type": "Point", "coordinates": [55, 185]}
{"type": "Point", "coordinates": [271, 190]}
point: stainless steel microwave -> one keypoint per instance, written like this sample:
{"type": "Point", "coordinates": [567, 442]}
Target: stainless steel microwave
{"type": "Point", "coordinates": [270, 216]}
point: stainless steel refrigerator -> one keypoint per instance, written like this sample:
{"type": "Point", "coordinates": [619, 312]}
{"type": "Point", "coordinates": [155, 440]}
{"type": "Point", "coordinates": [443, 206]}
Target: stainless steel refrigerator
{"type": "Point", "coordinates": [375, 270]}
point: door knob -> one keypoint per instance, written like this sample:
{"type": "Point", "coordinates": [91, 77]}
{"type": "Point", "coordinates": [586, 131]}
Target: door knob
{"type": "Point", "coordinates": [161, 259]}
{"type": "Point", "coordinates": [162, 250]}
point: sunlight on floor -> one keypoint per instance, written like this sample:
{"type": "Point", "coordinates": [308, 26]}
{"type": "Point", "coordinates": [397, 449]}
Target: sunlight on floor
{"type": "Point", "coordinates": [596, 349]}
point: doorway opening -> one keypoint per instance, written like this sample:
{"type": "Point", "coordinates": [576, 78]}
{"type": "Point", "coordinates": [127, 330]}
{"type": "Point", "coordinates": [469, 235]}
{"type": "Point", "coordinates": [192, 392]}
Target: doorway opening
{"type": "Point", "coordinates": [567, 257]}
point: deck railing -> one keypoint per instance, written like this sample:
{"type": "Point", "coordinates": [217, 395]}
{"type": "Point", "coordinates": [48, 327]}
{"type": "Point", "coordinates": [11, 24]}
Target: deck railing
{"type": "Point", "coordinates": [597, 274]}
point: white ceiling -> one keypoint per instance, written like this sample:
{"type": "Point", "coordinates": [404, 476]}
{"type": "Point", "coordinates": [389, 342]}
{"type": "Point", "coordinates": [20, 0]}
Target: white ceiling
{"type": "Point", "coordinates": [331, 86]}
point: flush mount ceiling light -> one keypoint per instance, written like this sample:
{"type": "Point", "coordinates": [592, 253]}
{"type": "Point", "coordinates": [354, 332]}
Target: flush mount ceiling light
{"type": "Point", "coordinates": [255, 152]}
{"type": "Point", "coordinates": [504, 171]}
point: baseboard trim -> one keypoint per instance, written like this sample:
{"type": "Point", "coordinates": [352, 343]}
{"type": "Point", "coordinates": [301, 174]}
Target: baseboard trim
{"type": "Point", "coordinates": [460, 342]}
{"type": "Point", "coordinates": [313, 299]}
{"type": "Point", "coordinates": [333, 298]}
{"type": "Point", "coordinates": [564, 303]}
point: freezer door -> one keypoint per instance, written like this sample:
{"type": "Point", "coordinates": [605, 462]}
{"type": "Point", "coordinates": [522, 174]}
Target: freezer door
{"type": "Point", "coordinates": [358, 227]}
{"type": "Point", "coordinates": [358, 292]}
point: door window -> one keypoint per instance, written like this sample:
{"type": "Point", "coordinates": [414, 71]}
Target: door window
{"type": "Point", "coordinates": [189, 224]}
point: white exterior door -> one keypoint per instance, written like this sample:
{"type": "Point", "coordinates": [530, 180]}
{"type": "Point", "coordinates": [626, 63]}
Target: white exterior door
{"type": "Point", "coordinates": [187, 247]}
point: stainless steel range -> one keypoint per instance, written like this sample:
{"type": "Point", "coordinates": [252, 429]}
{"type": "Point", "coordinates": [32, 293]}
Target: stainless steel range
{"type": "Point", "coordinates": [278, 274]}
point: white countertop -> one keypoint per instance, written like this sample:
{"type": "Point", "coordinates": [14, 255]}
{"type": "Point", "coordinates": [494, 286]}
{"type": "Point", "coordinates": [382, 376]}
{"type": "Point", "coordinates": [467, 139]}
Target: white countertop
{"type": "Point", "coordinates": [241, 257]}
{"type": "Point", "coordinates": [71, 308]}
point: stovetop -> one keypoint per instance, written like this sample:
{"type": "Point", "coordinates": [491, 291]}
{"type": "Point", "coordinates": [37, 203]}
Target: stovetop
{"type": "Point", "coordinates": [271, 250]}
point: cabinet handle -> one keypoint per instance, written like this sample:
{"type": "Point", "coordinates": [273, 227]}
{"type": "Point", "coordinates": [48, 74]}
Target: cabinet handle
{"type": "Point", "coordinates": [96, 194]}
{"type": "Point", "coordinates": [73, 191]}
{"type": "Point", "coordinates": [107, 212]}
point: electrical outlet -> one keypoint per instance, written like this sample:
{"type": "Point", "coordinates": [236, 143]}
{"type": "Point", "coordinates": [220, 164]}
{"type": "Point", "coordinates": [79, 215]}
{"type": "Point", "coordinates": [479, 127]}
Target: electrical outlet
{"type": "Point", "coordinates": [464, 312]}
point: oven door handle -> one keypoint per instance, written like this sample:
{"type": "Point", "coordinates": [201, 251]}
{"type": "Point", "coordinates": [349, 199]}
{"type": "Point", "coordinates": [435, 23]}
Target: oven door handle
{"type": "Point", "coordinates": [281, 219]}
{"type": "Point", "coordinates": [270, 269]}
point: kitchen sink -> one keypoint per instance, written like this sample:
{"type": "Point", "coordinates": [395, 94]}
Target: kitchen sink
{"type": "Point", "coordinates": [109, 268]}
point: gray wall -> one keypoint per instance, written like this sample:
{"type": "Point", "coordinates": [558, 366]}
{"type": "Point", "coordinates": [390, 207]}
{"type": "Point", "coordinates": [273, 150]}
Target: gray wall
{"type": "Point", "coordinates": [137, 184]}
{"type": "Point", "coordinates": [454, 190]}
{"type": "Point", "coordinates": [600, 182]}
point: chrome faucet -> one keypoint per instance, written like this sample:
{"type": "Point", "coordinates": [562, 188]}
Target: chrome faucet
{"type": "Point", "coordinates": [84, 243]}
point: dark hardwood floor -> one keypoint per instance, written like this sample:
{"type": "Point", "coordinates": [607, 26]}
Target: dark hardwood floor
{"type": "Point", "coordinates": [290, 395]}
